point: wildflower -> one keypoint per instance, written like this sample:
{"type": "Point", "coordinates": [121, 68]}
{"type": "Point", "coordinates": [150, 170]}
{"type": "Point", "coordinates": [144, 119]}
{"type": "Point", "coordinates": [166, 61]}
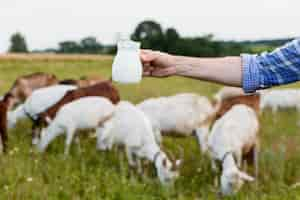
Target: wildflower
{"type": "Point", "coordinates": [29, 179]}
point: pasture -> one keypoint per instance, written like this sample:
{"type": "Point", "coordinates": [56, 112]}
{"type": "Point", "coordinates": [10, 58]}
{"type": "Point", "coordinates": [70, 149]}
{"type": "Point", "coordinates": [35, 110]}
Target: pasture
{"type": "Point", "coordinates": [88, 174]}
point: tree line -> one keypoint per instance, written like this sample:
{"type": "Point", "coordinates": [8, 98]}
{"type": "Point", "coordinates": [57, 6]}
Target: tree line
{"type": "Point", "coordinates": [153, 36]}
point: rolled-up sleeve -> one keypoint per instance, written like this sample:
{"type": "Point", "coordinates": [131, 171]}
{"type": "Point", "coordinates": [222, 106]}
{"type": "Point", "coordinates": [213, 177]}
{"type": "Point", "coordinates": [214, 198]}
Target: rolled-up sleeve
{"type": "Point", "coordinates": [282, 66]}
{"type": "Point", "coordinates": [250, 73]}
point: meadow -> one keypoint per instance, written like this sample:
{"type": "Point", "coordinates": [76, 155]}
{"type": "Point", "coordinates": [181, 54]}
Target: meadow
{"type": "Point", "coordinates": [89, 174]}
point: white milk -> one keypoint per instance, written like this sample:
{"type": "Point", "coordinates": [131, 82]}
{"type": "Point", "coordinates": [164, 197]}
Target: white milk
{"type": "Point", "coordinates": [127, 66]}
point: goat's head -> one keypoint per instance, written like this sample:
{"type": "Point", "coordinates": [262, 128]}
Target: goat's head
{"type": "Point", "coordinates": [232, 180]}
{"type": "Point", "coordinates": [167, 169]}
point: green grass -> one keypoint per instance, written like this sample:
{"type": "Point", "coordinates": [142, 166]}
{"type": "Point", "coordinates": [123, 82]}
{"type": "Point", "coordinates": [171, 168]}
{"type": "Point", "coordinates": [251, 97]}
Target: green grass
{"type": "Point", "coordinates": [25, 174]}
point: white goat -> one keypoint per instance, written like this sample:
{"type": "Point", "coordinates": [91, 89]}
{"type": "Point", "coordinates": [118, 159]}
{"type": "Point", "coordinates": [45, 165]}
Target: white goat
{"type": "Point", "coordinates": [231, 137]}
{"type": "Point", "coordinates": [130, 127]}
{"type": "Point", "coordinates": [181, 114]}
{"type": "Point", "coordinates": [81, 114]}
{"type": "Point", "coordinates": [275, 99]}
{"type": "Point", "coordinates": [38, 101]}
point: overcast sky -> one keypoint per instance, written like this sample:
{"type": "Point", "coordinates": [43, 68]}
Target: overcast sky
{"type": "Point", "coordinates": [46, 22]}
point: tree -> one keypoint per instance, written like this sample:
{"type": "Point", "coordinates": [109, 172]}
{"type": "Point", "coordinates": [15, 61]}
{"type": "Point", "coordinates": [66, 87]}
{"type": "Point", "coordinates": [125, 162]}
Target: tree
{"type": "Point", "coordinates": [171, 39]}
{"type": "Point", "coordinates": [150, 34]}
{"type": "Point", "coordinates": [18, 44]}
{"type": "Point", "coordinates": [90, 45]}
{"type": "Point", "coordinates": [69, 47]}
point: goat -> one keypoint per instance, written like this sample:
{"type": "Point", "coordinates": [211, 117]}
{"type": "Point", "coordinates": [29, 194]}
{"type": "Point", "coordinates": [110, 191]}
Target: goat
{"type": "Point", "coordinates": [130, 127]}
{"type": "Point", "coordinates": [25, 85]}
{"type": "Point", "coordinates": [84, 113]}
{"type": "Point", "coordinates": [179, 115]}
{"type": "Point", "coordinates": [37, 102]}
{"type": "Point", "coordinates": [5, 103]}
{"type": "Point", "coordinates": [104, 89]}
{"type": "Point", "coordinates": [233, 136]}
{"type": "Point", "coordinates": [275, 99]}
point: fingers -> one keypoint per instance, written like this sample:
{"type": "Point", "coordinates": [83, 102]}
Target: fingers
{"type": "Point", "coordinates": [159, 72]}
{"type": "Point", "coordinates": [147, 70]}
{"type": "Point", "coordinates": [149, 60]}
{"type": "Point", "coordinates": [148, 55]}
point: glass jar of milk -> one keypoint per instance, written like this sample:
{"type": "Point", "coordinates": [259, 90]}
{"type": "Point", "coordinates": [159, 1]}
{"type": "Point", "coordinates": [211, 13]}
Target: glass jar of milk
{"type": "Point", "coordinates": [127, 66]}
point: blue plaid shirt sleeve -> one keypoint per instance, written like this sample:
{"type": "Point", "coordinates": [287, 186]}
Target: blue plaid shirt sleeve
{"type": "Point", "coordinates": [282, 66]}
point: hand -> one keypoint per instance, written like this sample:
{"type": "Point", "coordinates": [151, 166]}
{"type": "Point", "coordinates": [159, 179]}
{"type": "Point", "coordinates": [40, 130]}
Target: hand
{"type": "Point", "coordinates": [157, 64]}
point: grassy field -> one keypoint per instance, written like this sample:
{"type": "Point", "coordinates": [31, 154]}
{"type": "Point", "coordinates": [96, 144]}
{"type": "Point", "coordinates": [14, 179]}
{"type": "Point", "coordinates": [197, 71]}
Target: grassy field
{"type": "Point", "coordinates": [25, 174]}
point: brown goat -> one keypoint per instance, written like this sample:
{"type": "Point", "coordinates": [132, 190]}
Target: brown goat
{"type": "Point", "coordinates": [253, 100]}
{"type": "Point", "coordinates": [249, 100]}
{"type": "Point", "coordinates": [5, 103]}
{"type": "Point", "coordinates": [25, 85]}
{"type": "Point", "coordinates": [104, 89]}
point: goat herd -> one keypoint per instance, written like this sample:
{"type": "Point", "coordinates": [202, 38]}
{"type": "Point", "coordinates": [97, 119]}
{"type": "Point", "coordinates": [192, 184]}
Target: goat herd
{"type": "Point", "coordinates": [226, 128]}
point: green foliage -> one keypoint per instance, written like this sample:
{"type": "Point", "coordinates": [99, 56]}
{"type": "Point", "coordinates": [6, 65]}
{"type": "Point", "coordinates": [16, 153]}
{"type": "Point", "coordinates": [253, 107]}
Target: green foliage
{"type": "Point", "coordinates": [88, 45]}
{"type": "Point", "coordinates": [18, 44]}
{"type": "Point", "coordinates": [69, 47]}
{"type": "Point", "coordinates": [88, 174]}
{"type": "Point", "coordinates": [150, 34]}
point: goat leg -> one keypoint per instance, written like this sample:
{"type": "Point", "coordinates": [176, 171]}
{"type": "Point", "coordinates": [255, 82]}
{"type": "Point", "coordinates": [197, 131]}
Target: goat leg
{"type": "Point", "coordinates": [35, 134]}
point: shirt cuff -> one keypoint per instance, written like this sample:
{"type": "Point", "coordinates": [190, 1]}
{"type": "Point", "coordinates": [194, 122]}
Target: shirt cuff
{"type": "Point", "coordinates": [250, 73]}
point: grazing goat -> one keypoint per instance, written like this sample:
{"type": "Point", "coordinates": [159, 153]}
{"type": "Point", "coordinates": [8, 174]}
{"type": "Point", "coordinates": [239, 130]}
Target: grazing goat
{"type": "Point", "coordinates": [222, 107]}
{"type": "Point", "coordinates": [233, 136]}
{"type": "Point", "coordinates": [180, 114]}
{"type": "Point", "coordinates": [37, 102]}
{"type": "Point", "coordinates": [104, 89]}
{"type": "Point", "coordinates": [130, 127]}
{"type": "Point", "coordinates": [275, 99]}
{"type": "Point", "coordinates": [25, 85]}
{"type": "Point", "coordinates": [5, 103]}
{"type": "Point", "coordinates": [81, 114]}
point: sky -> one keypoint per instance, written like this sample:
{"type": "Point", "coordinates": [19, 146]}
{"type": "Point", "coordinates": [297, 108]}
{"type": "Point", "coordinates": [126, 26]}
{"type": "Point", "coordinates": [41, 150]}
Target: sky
{"type": "Point", "coordinates": [45, 23]}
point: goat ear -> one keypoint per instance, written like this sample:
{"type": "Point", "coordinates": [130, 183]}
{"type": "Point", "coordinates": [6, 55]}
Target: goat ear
{"type": "Point", "coordinates": [246, 177]}
{"type": "Point", "coordinates": [164, 162]}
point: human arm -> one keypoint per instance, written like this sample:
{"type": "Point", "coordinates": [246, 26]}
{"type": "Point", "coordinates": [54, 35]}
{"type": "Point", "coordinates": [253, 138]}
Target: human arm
{"type": "Point", "coordinates": [251, 72]}
{"type": "Point", "coordinates": [226, 70]}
